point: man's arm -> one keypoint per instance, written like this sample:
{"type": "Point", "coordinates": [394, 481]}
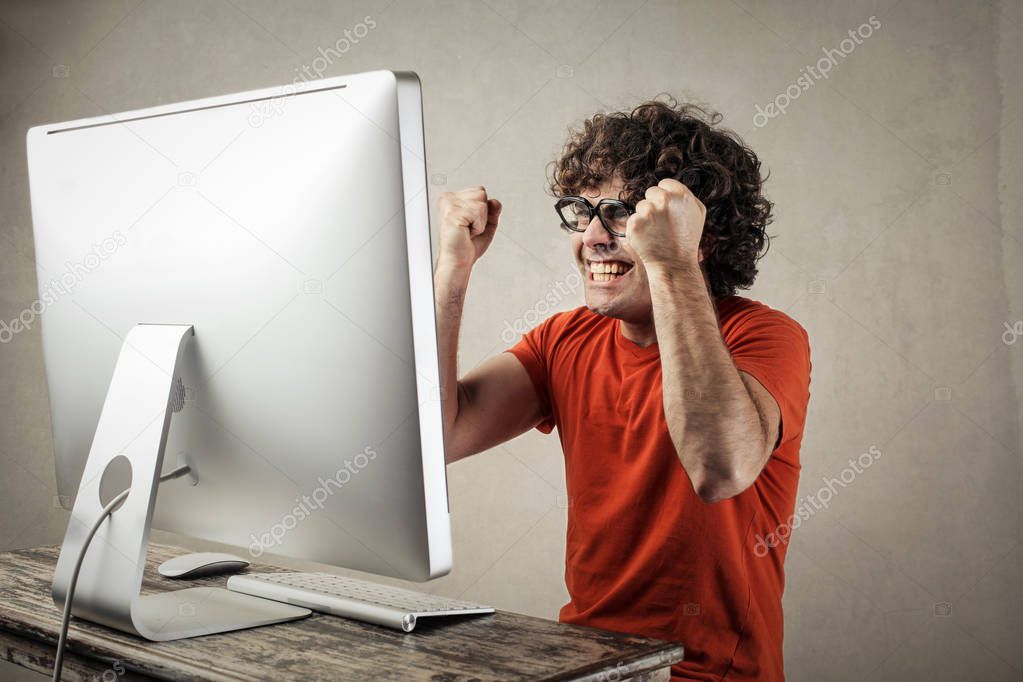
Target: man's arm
{"type": "Point", "coordinates": [496, 401]}
{"type": "Point", "coordinates": [723, 423]}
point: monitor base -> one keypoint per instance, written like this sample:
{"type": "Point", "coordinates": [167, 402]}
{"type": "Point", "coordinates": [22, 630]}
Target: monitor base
{"type": "Point", "coordinates": [198, 611]}
{"type": "Point", "coordinates": [127, 454]}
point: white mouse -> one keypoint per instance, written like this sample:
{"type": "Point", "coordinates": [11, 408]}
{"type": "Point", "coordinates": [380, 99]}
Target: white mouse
{"type": "Point", "coordinates": [202, 564]}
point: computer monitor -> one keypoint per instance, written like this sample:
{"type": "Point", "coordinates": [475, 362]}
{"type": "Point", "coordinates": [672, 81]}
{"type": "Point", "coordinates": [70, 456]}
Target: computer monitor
{"type": "Point", "coordinates": [289, 228]}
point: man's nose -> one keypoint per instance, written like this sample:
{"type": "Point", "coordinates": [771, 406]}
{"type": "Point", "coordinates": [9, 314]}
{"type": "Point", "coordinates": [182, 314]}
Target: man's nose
{"type": "Point", "coordinates": [596, 237]}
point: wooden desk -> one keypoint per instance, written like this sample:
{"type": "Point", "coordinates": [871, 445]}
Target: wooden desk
{"type": "Point", "coordinates": [504, 646]}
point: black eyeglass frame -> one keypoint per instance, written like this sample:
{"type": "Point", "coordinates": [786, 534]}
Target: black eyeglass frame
{"type": "Point", "coordinates": [568, 200]}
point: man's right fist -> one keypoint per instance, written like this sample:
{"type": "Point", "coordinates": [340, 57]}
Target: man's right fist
{"type": "Point", "coordinates": [468, 220]}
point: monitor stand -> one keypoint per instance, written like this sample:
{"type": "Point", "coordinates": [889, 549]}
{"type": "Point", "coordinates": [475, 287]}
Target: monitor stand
{"type": "Point", "coordinates": [127, 452]}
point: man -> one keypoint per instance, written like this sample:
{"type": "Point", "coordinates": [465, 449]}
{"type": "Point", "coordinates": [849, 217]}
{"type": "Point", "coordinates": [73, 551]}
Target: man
{"type": "Point", "coordinates": [679, 405]}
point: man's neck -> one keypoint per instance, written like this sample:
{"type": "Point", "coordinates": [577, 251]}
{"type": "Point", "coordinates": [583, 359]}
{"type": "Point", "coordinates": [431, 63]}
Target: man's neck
{"type": "Point", "coordinates": [641, 334]}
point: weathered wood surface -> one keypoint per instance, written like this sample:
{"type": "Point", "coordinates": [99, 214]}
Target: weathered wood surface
{"type": "Point", "coordinates": [505, 646]}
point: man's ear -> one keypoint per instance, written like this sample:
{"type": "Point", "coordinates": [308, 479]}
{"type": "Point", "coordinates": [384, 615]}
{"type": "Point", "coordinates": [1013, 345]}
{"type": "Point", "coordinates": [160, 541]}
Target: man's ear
{"type": "Point", "coordinates": [706, 246]}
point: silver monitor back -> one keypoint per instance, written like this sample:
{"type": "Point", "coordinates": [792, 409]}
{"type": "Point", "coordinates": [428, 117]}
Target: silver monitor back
{"type": "Point", "coordinates": [290, 226]}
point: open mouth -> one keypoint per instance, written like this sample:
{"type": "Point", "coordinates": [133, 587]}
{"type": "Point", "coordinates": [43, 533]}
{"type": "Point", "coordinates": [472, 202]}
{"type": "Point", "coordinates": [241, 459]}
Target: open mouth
{"type": "Point", "coordinates": [608, 270]}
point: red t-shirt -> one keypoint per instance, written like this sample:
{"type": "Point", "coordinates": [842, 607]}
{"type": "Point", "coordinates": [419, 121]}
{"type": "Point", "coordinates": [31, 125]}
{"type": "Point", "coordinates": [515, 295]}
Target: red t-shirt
{"type": "Point", "coordinates": [644, 553]}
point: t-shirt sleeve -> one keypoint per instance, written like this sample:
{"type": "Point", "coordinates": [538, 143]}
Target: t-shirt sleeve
{"type": "Point", "coordinates": [775, 350]}
{"type": "Point", "coordinates": [533, 351]}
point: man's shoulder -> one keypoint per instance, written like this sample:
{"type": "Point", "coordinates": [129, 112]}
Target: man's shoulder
{"type": "Point", "coordinates": [741, 316]}
{"type": "Point", "coordinates": [576, 320]}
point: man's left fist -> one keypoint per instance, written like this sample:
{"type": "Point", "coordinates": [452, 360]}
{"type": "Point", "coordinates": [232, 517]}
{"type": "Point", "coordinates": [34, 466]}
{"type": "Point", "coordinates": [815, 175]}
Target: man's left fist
{"type": "Point", "coordinates": [667, 225]}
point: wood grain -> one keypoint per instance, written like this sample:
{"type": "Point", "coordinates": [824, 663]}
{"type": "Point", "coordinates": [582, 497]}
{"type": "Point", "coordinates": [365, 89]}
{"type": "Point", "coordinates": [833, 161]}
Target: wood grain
{"type": "Point", "coordinates": [505, 646]}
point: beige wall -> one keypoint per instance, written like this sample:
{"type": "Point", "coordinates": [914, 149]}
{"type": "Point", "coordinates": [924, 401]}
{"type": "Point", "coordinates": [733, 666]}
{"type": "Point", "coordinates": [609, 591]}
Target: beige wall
{"type": "Point", "coordinates": [899, 247]}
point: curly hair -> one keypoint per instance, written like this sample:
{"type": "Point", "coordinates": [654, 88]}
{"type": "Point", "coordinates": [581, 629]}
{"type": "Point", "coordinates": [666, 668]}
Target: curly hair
{"type": "Point", "coordinates": [662, 139]}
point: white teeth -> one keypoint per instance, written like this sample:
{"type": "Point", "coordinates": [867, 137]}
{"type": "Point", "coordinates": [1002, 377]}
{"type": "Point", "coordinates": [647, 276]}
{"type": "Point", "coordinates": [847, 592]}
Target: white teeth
{"type": "Point", "coordinates": [607, 271]}
{"type": "Point", "coordinates": [608, 267]}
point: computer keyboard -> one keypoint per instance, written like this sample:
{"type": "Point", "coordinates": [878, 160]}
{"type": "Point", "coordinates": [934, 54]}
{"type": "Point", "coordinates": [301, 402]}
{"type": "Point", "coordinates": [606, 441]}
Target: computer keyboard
{"type": "Point", "coordinates": [392, 607]}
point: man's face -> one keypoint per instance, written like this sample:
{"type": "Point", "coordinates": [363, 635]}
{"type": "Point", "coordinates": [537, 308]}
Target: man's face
{"type": "Point", "coordinates": [623, 295]}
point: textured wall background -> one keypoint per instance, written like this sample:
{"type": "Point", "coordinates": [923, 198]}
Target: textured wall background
{"type": "Point", "coordinates": [899, 247]}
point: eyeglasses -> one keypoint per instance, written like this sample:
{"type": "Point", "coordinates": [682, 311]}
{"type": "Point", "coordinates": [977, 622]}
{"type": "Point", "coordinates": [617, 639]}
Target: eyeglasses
{"type": "Point", "coordinates": [576, 214]}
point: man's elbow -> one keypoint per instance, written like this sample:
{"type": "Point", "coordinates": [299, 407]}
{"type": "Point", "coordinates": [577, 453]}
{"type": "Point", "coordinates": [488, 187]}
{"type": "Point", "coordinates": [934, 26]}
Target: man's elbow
{"type": "Point", "coordinates": [719, 485]}
{"type": "Point", "coordinates": [712, 489]}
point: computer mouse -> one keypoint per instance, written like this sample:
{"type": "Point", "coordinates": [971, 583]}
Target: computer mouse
{"type": "Point", "coordinates": [202, 564]}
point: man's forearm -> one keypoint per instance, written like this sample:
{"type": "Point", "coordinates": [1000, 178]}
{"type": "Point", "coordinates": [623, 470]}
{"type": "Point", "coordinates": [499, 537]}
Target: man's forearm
{"type": "Point", "coordinates": [712, 419]}
{"type": "Point", "coordinates": [450, 287]}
